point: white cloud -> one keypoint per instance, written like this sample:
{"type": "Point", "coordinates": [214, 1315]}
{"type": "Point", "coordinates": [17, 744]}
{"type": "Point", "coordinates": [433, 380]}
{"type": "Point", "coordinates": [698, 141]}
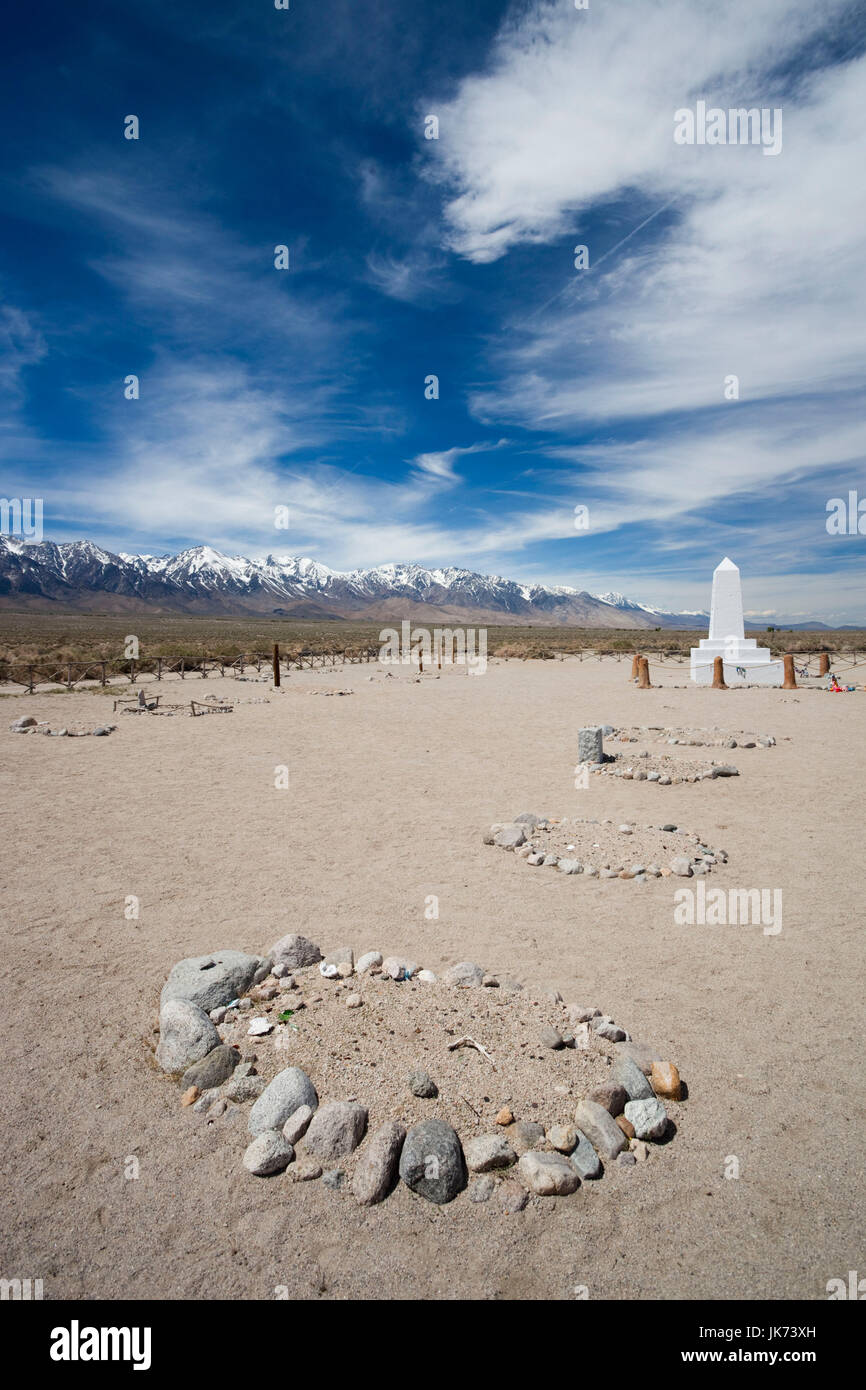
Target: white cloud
{"type": "Point", "coordinates": [754, 271]}
{"type": "Point", "coordinates": [578, 106]}
{"type": "Point", "coordinates": [441, 465]}
{"type": "Point", "coordinates": [412, 278]}
{"type": "Point", "coordinates": [194, 284]}
{"type": "Point", "coordinates": [21, 345]}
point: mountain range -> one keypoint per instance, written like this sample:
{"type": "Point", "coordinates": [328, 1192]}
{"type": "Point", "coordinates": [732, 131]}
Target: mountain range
{"type": "Point", "coordinates": [81, 577]}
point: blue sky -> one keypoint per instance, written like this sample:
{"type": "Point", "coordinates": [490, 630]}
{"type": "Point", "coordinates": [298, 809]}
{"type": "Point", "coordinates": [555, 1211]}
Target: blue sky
{"type": "Point", "coordinates": [559, 387]}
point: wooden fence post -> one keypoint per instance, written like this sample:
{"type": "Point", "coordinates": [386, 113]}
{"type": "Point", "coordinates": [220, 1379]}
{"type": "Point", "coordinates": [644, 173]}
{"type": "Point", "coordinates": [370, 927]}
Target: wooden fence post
{"type": "Point", "coordinates": [719, 673]}
{"type": "Point", "coordinates": [635, 666]}
{"type": "Point", "coordinates": [276, 665]}
{"type": "Point", "coordinates": [644, 682]}
{"type": "Point", "coordinates": [790, 681]}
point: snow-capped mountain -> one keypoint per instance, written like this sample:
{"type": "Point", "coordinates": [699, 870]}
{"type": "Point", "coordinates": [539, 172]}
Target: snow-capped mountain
{"type": "Point", "coordinates": [694, 619]}
{"type": "Point", "coordinates": [79, 576]}
{"type": "Point", "coordinates": [697, 617]}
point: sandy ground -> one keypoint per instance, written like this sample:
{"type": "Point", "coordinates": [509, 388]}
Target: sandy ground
{"type": "Point", "coordinates": [389, 792]}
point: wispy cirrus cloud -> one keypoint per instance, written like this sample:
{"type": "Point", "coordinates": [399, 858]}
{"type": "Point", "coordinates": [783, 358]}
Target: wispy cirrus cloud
{"type": "Point", "coordinates": [711, 364]}
{"type": "Point", "coordinates": [574, 106]}
{"type": "Point", "coordinates": [441, 465]}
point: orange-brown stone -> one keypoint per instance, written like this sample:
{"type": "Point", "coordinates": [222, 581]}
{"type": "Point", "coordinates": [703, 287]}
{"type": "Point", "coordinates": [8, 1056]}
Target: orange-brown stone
{"type": "Point", "coordinates": [665, 1080]}
{"type": "Point", "coordinates": [626, 1126]}
{"type": "Point", "coordinates": [191, 1096]}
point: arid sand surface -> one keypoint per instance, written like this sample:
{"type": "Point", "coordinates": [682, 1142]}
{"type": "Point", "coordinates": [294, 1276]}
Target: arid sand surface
{"type": "Point", "coordinates": [389, 792]}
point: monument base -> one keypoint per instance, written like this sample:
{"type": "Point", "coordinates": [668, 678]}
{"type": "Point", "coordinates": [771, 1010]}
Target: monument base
{"type": "Point", "coordinates": [744, 662]}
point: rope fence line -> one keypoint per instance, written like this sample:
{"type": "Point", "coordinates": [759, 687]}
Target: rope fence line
{"type": "Point", "coordinates": [804, 672]}
{"type": "Point", "coordinates": [74, 673]}
{"type": "Point", "coordinates": [103, 672]}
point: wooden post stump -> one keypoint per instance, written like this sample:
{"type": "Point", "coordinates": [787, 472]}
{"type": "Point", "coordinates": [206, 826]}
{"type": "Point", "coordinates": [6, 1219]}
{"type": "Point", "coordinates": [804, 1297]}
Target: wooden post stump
{"type": "Point", "coordinates": [644, 682]}
{"type": "Point", "coordinates": [790, 681]}
{"type": "Point", "coordinates": [635, 666]}
{"type": "Point", "coordinates": [276, 664]}
{"type": "Point", "coordinates": [719, 673]}
{"type": "Point", "coordinates": [824, 664]}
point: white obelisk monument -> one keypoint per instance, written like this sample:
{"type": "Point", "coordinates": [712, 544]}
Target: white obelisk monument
{"type": "Point", "coordinates": [745, 663]}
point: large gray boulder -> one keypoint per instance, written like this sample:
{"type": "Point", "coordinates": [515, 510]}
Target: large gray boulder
{"type": "Point", "coordinates": [377, 1165]}
{"type": "Point", "coordinates": [629, 1076]}
{"type": "Point", "coordinates": [600, 1128]}
{"type": "Point", "coordinates": [548, 1175]}
{"type": "Point", "coordinates": [289, 1090]}
{"type": "Point", "coordinates": [295, 952]}
{"type": "Point", "coordinates": [336, 1129]}
{"type": "Point", "coordinates": [243, 1088]}
{"type": "Point", "coordinates": [569, 866]}
{"type": "Point", "coordinates": [432, 1162]}
{"type": "Point", "coordinates": [268, 1153]}
{"type": "Point", "coordinates": [510, 837]}
{"type": "Point", "coordinates": [210, 981]}
{"type": "Point", "coordinates": [465, 975]}
{"type": "Point", "coordinates": [486, 1151]}
{"type": "Point", "coordinates": [186, 1035]}
{"type": "Point", "coordinates": [584, 1158]}
{"type": "Point", "coordinates": [681, 866]}
{"type": "Point", "coordinates": [612, 1095]}
{"type": "Point", "coordinates": [213, 1069]}
{"type": "Point", "coordinates": [649, 1118]}
{"type": "Point", "coordinates": [642, 1055]}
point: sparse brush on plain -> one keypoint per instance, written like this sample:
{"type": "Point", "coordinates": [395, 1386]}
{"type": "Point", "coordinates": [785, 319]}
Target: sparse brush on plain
{"type": "Point", "coordinates": [31, 638]}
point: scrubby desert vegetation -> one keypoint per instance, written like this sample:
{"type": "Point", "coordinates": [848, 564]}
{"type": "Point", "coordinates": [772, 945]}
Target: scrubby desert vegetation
{"type": "Point", "coordinates": [55, 640]}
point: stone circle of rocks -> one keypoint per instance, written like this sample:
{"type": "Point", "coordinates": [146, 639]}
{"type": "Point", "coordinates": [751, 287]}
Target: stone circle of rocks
{"type": "Point", "coordinates": [660, 768]}
{"type": "Point", "coordinates": [691, 738]}
{"type": "Point", "coordinates": [26, 724]}
{"type": "Point", "coordinates": [603, 849]}
{"type": "Point", "coordinates": [534, 1101]}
